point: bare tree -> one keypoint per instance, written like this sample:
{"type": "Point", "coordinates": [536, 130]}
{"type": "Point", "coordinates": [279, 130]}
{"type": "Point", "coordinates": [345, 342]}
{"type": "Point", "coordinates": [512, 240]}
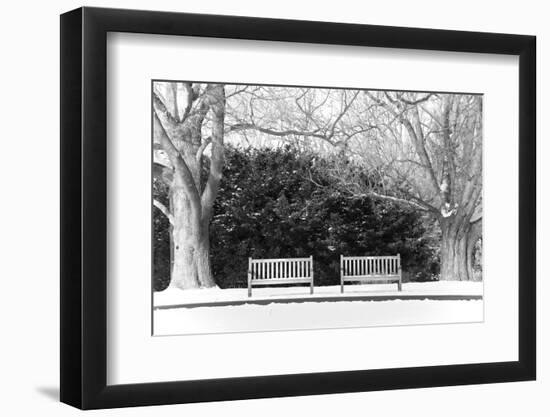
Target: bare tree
{"type": "Point", "coordinates": [188, 118]}
{"type": "Point", "coordinates": [419, 149]}
{"type": "Point", "coordinates": [426, 151]}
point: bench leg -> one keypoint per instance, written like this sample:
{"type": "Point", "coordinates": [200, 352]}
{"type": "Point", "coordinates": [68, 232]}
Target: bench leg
{"type": "Point", "coordinates": [249, 291]}
{"type": "Point", "coordinates": [399, 285]}
{"type": "Point", "coordinates": [311, 288]}
{"type": "Point", "coordinates": [342, 287]}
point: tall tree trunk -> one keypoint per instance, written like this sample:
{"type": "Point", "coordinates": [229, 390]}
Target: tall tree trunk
{"type": "Point", "coordinates": [454, 250]}
{"type": "Point", "coordinates": [185, 237]}
{"type": "Point", "coordinates": [191, 262]}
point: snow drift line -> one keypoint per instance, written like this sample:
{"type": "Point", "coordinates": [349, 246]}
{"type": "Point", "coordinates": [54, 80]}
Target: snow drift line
{"type": "Point", "coordinates": [436, 297]}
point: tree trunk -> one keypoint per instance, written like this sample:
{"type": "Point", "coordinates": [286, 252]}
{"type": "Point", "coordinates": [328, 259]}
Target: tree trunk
{"type": "Point", "coordinates": [203, 259]}
{"type": "Point", "coordinates": [474, 235]}
{"type": "Point", "coordinates": [185, 236]}
{"type": "Point", "coordinates": [171, 231]}
{"type": "Point", "coordinates": [191, 262]}
{"type": "Point", "coordinates": [454, 250]}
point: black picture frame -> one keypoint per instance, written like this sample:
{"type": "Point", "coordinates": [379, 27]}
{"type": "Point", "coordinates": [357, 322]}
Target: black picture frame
{"type": "Point", "coordinates": [84, 207]}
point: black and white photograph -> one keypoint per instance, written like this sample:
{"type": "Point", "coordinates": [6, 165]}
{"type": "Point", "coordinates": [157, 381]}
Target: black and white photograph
{"type": "Point", "coordinates": [272, 209]}
{"type": "Point", "coordinates": [278, 207]}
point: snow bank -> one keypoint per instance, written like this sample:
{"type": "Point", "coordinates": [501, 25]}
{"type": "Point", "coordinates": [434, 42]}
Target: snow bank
{"type": "Point", "coordinates": [175, 296]}
{"type": "Point", "coordinates": [284, 309]}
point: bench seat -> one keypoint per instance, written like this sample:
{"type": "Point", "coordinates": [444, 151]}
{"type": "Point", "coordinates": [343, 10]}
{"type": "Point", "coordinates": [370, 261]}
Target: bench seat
{"type": "Point", "coordinates": [280, 271]}
{"type": "Point", "coordinates": [370, 269]}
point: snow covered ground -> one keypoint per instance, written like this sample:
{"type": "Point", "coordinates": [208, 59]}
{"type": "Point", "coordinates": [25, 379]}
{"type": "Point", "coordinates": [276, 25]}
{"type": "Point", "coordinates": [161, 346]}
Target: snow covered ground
{"type": "Point", "coordinates": [292, 308]}
{"type": "Point", "coordinates": [175, 296]}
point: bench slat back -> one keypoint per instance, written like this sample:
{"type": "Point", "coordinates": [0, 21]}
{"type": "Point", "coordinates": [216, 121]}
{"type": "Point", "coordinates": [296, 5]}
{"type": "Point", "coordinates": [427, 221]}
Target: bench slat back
{"type": "Point", "coordinates": [263, 269]}
{"type": "Point", "coordinates": [355, 266]}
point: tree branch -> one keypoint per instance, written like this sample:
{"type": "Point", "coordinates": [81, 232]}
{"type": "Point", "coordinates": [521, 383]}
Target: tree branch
{"type": "Point", "coordinates": [174, 88]}
{"type": "Point", "coordinates": [190, 99]}
{"type": "Point", "coordinates": [417, 203]}
{"type": "Point", "coordinates": [202, 148]}
{"type": "Point", "coordinates": [217, 159]}
{"type": "Point", "coordinates": [162, 112]}
{"type": "Point", "coordinates": [415, 102]}
{"type": "Point", "coordinates": [418, 140]}
{"type": "Point", "coordinates": [177, 161]}
{"type": "Point", "coordinates": [164, 211]}
{"type": "Point", "coordinates": [279, 133]}
{"type": "Point", "coordinates": [342, 113]}
{"type": "Point", "coordinates": [237, 91]}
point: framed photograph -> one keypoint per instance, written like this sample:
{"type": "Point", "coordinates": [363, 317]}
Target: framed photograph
{"type": "Point", "coordinates": [255, 208]}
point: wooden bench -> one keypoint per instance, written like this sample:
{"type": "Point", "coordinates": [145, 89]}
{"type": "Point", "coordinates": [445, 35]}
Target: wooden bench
{"type": "Point", "coordinates": [370, 269]}
{"type": "Point", "coordinates": [280, 272]}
